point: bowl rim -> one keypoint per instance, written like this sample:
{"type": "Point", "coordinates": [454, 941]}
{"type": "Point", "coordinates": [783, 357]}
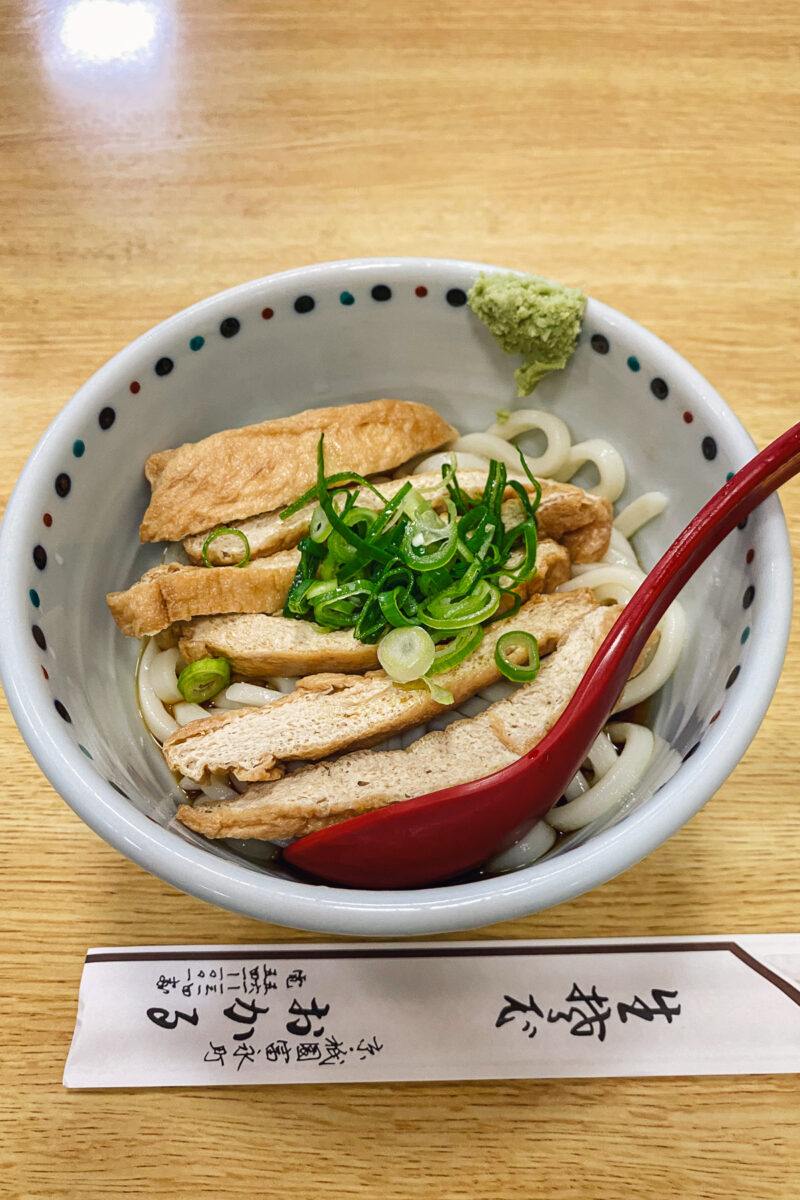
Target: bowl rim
{"type": "Point", "coordinates": [388, 913]}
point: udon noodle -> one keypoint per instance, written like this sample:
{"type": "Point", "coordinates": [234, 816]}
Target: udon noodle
{"type": "Point", "coordinates": [620, 755]}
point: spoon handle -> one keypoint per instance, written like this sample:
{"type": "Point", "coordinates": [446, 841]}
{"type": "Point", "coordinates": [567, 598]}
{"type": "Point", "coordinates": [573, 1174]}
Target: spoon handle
{"type": "Point", "coordinates": [609, 671]}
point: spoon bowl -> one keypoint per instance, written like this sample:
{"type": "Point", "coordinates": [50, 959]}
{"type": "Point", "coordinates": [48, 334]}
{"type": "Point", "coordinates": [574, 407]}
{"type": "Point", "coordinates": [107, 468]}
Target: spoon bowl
{"type": "Point", "coordinates": [436, 837]}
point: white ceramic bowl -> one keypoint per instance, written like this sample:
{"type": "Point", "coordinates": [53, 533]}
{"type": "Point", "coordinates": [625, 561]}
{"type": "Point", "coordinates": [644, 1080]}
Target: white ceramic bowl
{"type": "Point", "coordinates": [335, 333]}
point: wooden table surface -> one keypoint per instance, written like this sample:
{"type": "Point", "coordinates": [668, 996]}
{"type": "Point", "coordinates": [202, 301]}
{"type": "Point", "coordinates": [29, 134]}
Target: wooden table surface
{"type": "Point", "coordinates": [156, 151]}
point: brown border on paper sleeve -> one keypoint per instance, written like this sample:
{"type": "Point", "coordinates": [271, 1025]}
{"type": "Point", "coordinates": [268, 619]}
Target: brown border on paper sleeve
{"type": "Point", "coordinates": [448, 950]}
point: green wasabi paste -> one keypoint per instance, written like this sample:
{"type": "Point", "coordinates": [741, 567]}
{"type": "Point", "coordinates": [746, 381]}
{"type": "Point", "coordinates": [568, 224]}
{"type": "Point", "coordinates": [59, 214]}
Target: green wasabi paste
{"type": "Point", "coordinates": [531, 316]}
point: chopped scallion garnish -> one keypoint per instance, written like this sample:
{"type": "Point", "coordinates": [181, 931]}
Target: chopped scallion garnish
{"type": "Point", "coordinates": [407, 575]}
{"type": "Point", "coordinates": [406, 654]}
{"type": "Point", "coordinates": [452, 653]}
{"type": "Point", "coordinates": [203, 679]}
{"type": "Point", "coordinates": [517, 639]}
{"type": "Point", "coordinates": [212, 537]}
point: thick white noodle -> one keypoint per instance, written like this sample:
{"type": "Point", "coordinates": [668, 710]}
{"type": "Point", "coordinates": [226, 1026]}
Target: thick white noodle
{"type": "Point", "coordinates": [487, 446]}
{"type": "Point", "coordinates": [672, 628]}
{"type": "Point", "coordinates": [619, 551]}
{"type": "Point", "coordinates": [613, 786]}
{"type": "Point", "coordinates": [526, 420]}
{"type": "Point", "coordinates": [282, 683]}
{"type": "Point", "coordinates": [607, 460]}
{"type": "Point", "coordinates": [186, 712]}
{"type": "Point", "coordinates": [156, 717]}
{"type": "Point", "coordinates": [250, 695]}
{"type": "Point", "coordinates": [536, 842]}
{"type": "Point", "coordinates": [217, 789]}
{"type": "Point", "coordinates": [616, 775]}
{"type": "Point", "coordinates": [463, 462]}
{"type": "Point", "coordinates": [611, 581]}
{"type": "Point", "coordinates": [608, 582]}
{"type": "Point", "coordinates": [602, 755]}
{"type": "Point", "coordinates": [163, 676]}
{"type": "Point", "coordinates": [576, 787]}
{"type": "Point", "coordinates": [639, 512]}
{"type": "Point", "coordinates": [561, 460]}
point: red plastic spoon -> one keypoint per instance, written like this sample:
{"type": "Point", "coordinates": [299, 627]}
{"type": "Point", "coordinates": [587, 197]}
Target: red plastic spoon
{"type": "Point", "coordinates": [436, 837]}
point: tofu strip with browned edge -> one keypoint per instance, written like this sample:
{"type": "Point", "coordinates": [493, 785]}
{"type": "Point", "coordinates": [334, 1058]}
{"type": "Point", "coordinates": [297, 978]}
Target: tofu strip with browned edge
{"type": "Point", "coordinates": [256, 644]}
{"type": "Point", "coordinates": [324, 793]}
{"type": "Point", "coordinates": [330, 712]}
{"type": "Point", "coordinates": [174, 592]}
{"type": "Point", "coordinates": [567, 513]}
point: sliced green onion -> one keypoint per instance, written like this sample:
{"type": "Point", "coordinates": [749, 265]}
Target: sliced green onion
{"type": "Point", "coordinates": [517, 639]}
{"type": "Point", "coordinates": [212, 537]}
{"type": "Point", "coordinates": [502, 613]}
{"type": "Point", "coordinates": [440, 694]}
{"type": "Point", "coordinates": [465, 552]}
{"type": "Point", "coordinates": [329, 568]}
{"type": "Point", "coordinates": [429, 543]}
{"type": "Point", "coordinates": [477, 530]}
{"type": "Point", "coordinates": [319, 526]}
{"type": "Point", "coordinates": [373, 551]}
{"type": "Point", "coordinates": [342, 547]}
{"type": "Point", "coordinates": [320, 588]}
{"type": "Point", "coordinates": [402, 571]}
{"type": "Point", "coordinates": [462, 587]}
{"type": "Point", "coordinates": [203, 679]}
{"type": "Point", "coordinates": [370, 625]}
{"type": "Point", "coordinates": [430, 583]}
{"type": "Point", "coordinates": [336, 480]}
{"type": "Point", "coordinates": [523, 497]}
{"type": "Point", "coordinates": [495, 487]}
{"type": "Point", "coordinates": [296, 604]}
{"type": "Point", "coordinates": [429, 526]}
{"type": "Point", "coordinates": [391, 607]}
{"type": "Point", "coordinates": [447, 612]}
{"type": "Point", "coordinates": [461, 500]}
{"type": "Point", "coordinates": [537, 487]}
{"type": "Point", "coordinates": [306, 498]}
{"type": "Point", "coordinates": [406, 653]}
{"type": "Point", "coordinates": [527, 568]}
{"type": "Point", "coordinates": [338, 609]}
{"type": "Point", "coordinates": [415, 503]}
{"type": "Point", "coordinates": [452, 653]}
{"type": "Point", "coordinates": [392, 513]}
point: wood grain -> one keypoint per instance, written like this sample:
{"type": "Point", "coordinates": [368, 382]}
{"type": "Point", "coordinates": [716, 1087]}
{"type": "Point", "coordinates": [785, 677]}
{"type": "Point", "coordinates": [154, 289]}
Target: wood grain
{"type": "Point", "coordinates": [647, 152]}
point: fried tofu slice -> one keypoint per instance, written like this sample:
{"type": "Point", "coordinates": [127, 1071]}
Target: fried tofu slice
{"type": "Point", "coordinates": [329, 712]}
{"type": "Point", "coordinates": [241, 472]}
{"type": "Point", "coordinates": [324, 793]}
{"type": "Point", "coordinates": [175, 592]}
{"type": "Point", "coordinates": [579, 519]}
{"type": "Point", "coordinates": [258, 645]}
